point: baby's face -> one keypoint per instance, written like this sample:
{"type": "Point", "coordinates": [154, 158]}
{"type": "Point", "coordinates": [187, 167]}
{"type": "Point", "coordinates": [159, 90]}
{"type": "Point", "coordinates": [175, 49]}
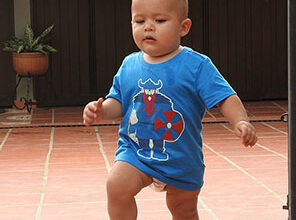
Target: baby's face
{"type": "Point", "coordinates": [156, 26]}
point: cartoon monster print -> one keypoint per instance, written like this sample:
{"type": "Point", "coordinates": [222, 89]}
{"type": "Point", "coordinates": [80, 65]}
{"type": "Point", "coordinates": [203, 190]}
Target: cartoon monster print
{"type": "Point", "coordinates": [153, 121]}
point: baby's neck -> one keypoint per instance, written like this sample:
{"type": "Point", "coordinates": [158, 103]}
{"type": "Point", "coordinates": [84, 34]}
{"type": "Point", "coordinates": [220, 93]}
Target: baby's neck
{"type": "Point", "coordinates": [163, 58]}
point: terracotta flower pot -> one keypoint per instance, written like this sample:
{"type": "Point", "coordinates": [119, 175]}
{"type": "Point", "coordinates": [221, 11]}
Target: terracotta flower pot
{"type": "Point", "coordinates": [30, 63]}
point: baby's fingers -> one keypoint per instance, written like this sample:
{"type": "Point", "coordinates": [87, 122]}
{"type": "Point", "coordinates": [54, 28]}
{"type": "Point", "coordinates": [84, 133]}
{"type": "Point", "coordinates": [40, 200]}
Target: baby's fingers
{"type": "Point", "coordinates": [253, 140]}
{"type": "Point", "coordinates": [99, 104]}
{"type": "Point", "coordinates": [89, 113]}
{"type": "Point", "coordinates": [250, 138]}
{"type": "Point", "coordinates": [92, 107]}
{"type": "Point", "coordinates": [247, 133]}
{"type": "Point", "coordinates": [89, 117]}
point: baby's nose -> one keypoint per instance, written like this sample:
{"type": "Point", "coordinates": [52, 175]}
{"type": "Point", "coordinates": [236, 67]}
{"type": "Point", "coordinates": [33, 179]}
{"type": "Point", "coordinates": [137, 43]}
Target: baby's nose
{"type": "Point", "coordinates": [149, 26]}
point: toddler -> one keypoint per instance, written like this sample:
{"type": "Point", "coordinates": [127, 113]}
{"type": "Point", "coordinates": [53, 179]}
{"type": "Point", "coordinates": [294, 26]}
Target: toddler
{"type": "Point", "coordinates": [162, 93]}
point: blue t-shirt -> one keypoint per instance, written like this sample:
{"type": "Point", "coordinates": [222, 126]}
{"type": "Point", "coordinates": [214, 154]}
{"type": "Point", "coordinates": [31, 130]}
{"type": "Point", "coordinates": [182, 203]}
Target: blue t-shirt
{"type": "Point", "coordinates": [163, 106]}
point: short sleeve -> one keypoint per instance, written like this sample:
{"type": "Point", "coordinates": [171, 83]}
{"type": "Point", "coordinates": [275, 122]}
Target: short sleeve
{"type": "Point", "coordinates": [211, 85]}
{"type": "Point", "coordinates": [115, 91]}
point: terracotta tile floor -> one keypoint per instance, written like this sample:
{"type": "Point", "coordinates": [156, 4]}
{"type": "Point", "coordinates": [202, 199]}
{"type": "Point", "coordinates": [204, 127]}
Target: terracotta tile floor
{"type": "Point", "coordinates": [53, 168]}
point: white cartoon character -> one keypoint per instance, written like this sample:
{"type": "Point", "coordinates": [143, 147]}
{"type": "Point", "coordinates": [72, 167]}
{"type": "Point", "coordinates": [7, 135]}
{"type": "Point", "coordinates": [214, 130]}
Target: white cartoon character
{"type": "Point", "coordinates": [153, 121]}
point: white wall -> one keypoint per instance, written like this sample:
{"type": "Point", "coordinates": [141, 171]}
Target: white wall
{"type": "Point", "coordinates": [21, 18]}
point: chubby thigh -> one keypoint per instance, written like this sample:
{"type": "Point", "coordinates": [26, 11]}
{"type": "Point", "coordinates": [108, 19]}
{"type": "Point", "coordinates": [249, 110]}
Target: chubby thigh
{"type": "Point", "coordinates": [126, 180]}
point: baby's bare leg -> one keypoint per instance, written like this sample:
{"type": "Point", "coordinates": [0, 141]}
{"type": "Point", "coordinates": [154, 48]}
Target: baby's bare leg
{"type": "Point", "coordinates": [182, 203]}
{"type": "Point", "coordinates": [123, 183]}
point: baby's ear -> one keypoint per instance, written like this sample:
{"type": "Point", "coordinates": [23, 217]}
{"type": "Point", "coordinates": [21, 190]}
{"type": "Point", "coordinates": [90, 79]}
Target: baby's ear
{"type": "Point", "coordinates": [185, 27]}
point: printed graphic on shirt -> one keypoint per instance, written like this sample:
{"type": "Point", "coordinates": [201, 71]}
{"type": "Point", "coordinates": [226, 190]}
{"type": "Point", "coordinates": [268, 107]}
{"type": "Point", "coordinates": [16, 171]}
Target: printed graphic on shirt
{"type": "Point", "coordinates": [154, 121]}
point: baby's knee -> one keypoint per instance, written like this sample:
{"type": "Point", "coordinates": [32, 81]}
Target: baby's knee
{"type": "Point", "coordinates": [120, 187]}
{"type": "Point", "coordinates": [182, 204]}
{"type": "Point", "coordinates": [115, 186]}
{"type": "Point", "coordinates": [126, 180]}
{"type": "Point", "coordinates": [183, 212]}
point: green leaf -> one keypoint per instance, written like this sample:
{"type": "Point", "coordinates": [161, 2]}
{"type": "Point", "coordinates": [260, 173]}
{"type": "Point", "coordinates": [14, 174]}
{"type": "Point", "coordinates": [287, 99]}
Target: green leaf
{"type": "Point", "coordinates": [49, 48]}
{"type": "Point", "coordinates": [29, 36]}
{"type": "Point", "coordinates": [40, 49]}
{"type": "Point", "coordinates": [36, 41]}
{"type": "Point", "coordinates": [20, 49]}
{"type": "Point", "coordinates": [46, 32]}
{"type": "Point", "coordinates": [8, 49]}
{"type": "Point", "coordinates": [29, 43]}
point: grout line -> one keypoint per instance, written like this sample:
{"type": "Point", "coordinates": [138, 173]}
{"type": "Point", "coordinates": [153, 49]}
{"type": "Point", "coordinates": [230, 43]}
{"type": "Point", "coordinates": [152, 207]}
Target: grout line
{"type": "Point", "coordinates": [227, 128]}
{"type": "Point", "coordinates": [210, 114]}
{"type": "Point", "coordinates": [53, 203]}
{"type": "Point", "coordinates": [45, 176]}
{"type": "Point", "coordinates": [105, 201]}
{"type": "Point", "coordinates": [5, 139]}
{"type": "Point", "coordinates": [272, 151]}
{"type": "Point", "coordinates": [282, 108]}
{"type": "Point", "coordinates": [101, 147]}
{"type": "Point", "coordinates": [249, 113]}
{"type": "Point", "coordinates": [260, 145]}
{"type": "Point", "coordinates": [70, 202]}
{"type": "Point", "coordinates": [273, 128]}
{"type": "Point", "coordinates": [65, 125]}
{"type": "Point", "coordinates": [246, 173]}
{"type": "Point", "coordinates": [52, 115]}
{"type": "Point", "coordinates": [210, 211]}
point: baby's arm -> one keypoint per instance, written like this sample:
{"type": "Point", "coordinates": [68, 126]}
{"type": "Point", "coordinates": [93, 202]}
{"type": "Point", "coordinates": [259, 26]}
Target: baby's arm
{"type": "Point", "coordinates": [234, 111]}
{"type": "Point", "coordinates": [108, 109]}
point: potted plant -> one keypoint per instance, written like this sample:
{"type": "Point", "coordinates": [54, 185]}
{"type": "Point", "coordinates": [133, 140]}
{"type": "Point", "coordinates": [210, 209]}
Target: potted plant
{"type": "Point", "coordinates": [30, 54]}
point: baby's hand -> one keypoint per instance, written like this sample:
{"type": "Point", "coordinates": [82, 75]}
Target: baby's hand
{"type": "Point", "coordinates": [92, 111]}
{"type": "Point", "coordinates": [246, 132]}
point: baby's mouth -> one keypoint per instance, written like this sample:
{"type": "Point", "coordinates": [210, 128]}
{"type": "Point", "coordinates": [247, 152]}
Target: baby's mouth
{"type": "Point", "coordinates": [149, 38]}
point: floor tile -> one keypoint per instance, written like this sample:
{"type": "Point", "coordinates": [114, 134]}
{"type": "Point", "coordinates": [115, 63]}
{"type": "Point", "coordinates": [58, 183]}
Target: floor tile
{"type": "Point", "coordinates": [54, 168]}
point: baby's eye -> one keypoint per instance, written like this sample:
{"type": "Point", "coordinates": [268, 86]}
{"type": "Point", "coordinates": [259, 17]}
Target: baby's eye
{"type": "Point", "coordinates": [160, 20]}
{"type": "Point", "coordinates": [140, 21]}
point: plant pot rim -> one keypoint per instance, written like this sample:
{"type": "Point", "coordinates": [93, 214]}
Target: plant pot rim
{"type": "Point", "coordinates": [29, 53]}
